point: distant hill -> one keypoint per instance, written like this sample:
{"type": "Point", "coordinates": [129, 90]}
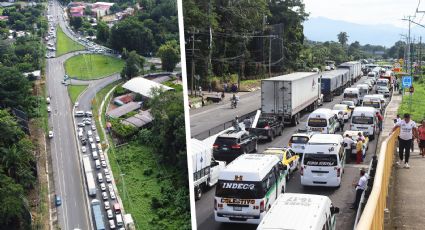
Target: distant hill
{"type": "Point", "coordinates": [325, 29]}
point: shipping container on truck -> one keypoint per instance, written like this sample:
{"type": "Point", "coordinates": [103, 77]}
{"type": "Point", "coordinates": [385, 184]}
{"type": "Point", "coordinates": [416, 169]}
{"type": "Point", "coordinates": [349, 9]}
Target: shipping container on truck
{"type": "Point", "coordinates": [91, 186]}
{"type": "Point", "coordinates": [330, 83]}
{"type": "Point", "coordinates": [97, 213]}
{"type": "Point", "coordinates": [205, 169]}
{"type": "Point", "coordinates": [288, 95]}
{"type": "Point", "coordinates": [355, 69]}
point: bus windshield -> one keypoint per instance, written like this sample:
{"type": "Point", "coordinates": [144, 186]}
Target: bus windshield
{"type": "Point", "coordinates": [373, 104]}
{"type": "Point", "coordinates": [361, 120]}
{"type": "Point", "coordinates": [314, 159]}
{"type": "Point", "coordinates": [240, 189]}
{"type": "Point", "coordinates": [299, 139]}
{"type": "Point", "coordinates": [381, 83]}
{"type": "Point", "coordinates": [317, 122]}
{"type": "Point", "coordinates": [350, 95]}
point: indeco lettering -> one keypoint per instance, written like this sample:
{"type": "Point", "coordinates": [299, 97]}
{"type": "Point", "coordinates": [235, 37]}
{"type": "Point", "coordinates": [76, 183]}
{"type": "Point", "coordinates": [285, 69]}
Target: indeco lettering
{"type": "Point", "coordinates": [238, 186]}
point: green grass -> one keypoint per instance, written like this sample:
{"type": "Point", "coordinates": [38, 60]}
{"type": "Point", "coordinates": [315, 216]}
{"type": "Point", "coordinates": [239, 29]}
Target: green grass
{"type": "Point", "coordinates": [75, 90]}
{"type": "Point", "coordinates": [176, 87]}
{"type": "Point", "coordinates": [418, 106]}
{"type": "Point", "coordinates": [92, 66]}
{"type": "Point", "coordinates": [65, 44]}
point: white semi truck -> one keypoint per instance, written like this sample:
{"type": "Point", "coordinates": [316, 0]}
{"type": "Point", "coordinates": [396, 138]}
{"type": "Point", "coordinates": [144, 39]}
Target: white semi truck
{"type": "Point", "coordinates": [204, 168]}
{"type": "Point", "coordinates": [288, 95]}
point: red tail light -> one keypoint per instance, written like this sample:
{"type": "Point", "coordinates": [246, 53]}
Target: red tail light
{"type": "Point", "coordinates": [267, 127]}
{"type": "Point", "coordinates": [262, 208]}
{"type": "Point", "coordinates": [236, 146]}
{"type": "Point", "coordinates": [338, 172]}
{"type": "Point", "coordinates": [215, 204]}
{"type": "Point", "coordinates": [215, 146]}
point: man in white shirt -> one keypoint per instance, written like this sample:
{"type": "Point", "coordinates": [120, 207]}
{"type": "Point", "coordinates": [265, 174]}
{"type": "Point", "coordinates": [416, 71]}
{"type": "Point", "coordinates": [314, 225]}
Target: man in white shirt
{"type": "Point", "coordinates": [408, 132]}
{"type": "Point", "coordinates": [348, 141]}
{"type": "Point", "coordinates": [360, 187]}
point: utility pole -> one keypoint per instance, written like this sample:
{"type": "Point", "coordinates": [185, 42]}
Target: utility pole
{"type": "Point", "coordinates": [193, 61]}
{"type": "Point", "coordinates": [408, 49]}
{"type": "Point", "coordinates": [270, 56]}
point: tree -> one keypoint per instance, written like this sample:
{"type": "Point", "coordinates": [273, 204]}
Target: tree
{"type": "Point", "coordinates": [102, 32]}
{"type": "Point", "coordinates": [11, 198]}
{"type": "Point", "coordinates": [342, 38]}
{"type": "Point", "coordinates": [11, 132]}
{"type": "Point", "coordinates": [76, 22]}
{"type": "Point", "coordinates": [169, 54]}
{"type": "Point", "coordinates": [133, 65]}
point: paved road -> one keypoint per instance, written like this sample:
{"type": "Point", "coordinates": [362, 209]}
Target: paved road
{"type": "Point", "coordinates": [342, 197]}
{"type": "Point", "coordinates": [211, 116]}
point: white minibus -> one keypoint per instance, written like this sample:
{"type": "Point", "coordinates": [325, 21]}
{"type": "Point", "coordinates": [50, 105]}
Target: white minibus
{"type": "Point", "coordinates": [352, 94]}
{"type": "Point", "coordinates": [323, 161]}
{"type": "Point", "coordinates": [300, 212]}
{"type": "Point", "coordinates": [322, 121]}
{"type": "Point", "coordinates": [364, 119]}
{"type": "Point", "coordinates": [247, 188]}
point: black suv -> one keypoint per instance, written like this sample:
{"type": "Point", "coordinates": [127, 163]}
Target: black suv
{"type": "Point", "coordinates": [232, 144]}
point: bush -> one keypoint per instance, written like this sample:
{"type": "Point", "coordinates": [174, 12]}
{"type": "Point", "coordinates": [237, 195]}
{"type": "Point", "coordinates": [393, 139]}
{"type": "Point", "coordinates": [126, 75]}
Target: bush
{"type": "Point", "coordinates": [145, 137]}
{"type": "Point", "coordinates": [119, 91]}
{"type": "Point", "coordinates": [147, 172]}
{"type": "Point", "coordinates": [156, 203]}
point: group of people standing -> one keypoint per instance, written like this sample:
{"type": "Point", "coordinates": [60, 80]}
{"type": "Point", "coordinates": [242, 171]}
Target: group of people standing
{"type": "Point", "coordinates": [359, 145]}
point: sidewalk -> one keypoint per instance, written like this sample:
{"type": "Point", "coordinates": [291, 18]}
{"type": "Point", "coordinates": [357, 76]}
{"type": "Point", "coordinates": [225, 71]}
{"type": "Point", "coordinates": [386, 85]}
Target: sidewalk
{"type": "Point", "coordinates": [407, 196]}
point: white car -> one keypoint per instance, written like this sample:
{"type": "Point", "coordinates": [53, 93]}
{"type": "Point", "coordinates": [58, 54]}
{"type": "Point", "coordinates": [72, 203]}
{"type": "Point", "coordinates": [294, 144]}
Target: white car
{"type": "Point", "coordinates": [104, 195]}
{"type": "Point", "coordinates": [81, 124]}
{"type": "Point", "coordinates": [102, 157]}
{"type": "Point", "coordinates": [93, 127]}
{"type": "Point", "coordinates": [106, 171]}
{"type": "Point", "coordinates": [89, 133]}
{"type": "Point", "coordinates": [110, 187]}
{"type": "Point", "coordinates": [102, 186]}
{"type": "Point", "coordinates": [103, 163]}
{"type": "Point", "coordinates": [112, 193]}
{"type": "Point", "coordinates": [97, 139]}
{"type": "Point", "coordinates": [83, 149]}
{"type": "Point", "coordinates": [108, 178]}
{"type": "Point", "coordinates": [91, 139]}
{"type": "Point", "coordinates": [50, 134]}
{"type": "Point", "coordinates": [76, 104]}
{"type": "Point", "coordinates": [107, 205]}
{"type": "Point", "coordinates": [112, 224]}
{"type": "Point", "coordinates": [49, 109]}
{"type": "Point", "coordinates": [109, 214]}
{"type": "Point", "coordinates": [48, 100]}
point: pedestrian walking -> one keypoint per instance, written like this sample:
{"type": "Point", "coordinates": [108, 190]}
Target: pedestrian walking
{"type": "Point", "coordinates": [421, 139]}
{"type": "Point", "coordinates": [408, 132]}
{"type": "Point", "coordinates": [348, 142]}
{"type": "Point", "coordinates": [380, 120]}
{"type": "Point", "coordinates": [360, 187]}
{"type": "Point", "coordinates": [225, 86]}
{"type": "Point", "coordinates": [359, 151]}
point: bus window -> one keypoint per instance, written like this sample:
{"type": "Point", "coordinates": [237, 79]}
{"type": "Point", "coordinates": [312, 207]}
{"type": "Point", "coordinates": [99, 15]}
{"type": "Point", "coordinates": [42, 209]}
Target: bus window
{"type": "Point", "coordinates": [361, 120]}
{"type": "Point", "coordinates": [314, 159]}
{"type": "Point", "coordinates": [240, 189]}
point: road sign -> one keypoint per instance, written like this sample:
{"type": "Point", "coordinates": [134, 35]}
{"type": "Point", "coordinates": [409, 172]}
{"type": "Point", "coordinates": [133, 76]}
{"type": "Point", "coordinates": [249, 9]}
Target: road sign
{"type": "Point", "coordinates": [407, 81]}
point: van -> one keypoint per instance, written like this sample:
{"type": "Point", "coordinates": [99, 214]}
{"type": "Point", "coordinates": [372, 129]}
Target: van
{"type": "Point", "coordinates": [363, 90]}
{"type": "Point", "coordinates": [352, 94]}
{"type": "Point", "coordinates": [117, 208]}
{"type": "Point", "coordinates": [301, 211]}
{"type": "Point", "coordinates": [119, 220]}
{"type": "Point", "coordinates": [95, 156]}
{"type": "Point", "coordinates": [79, 113]}
{"type": "Point", "coordinates": [364, 119]}
{"type": "Point", "coordinates": [100, 177]}
{"type": "Point", "coordinates": [322, 121]}
{"type": "Point", "coordinates": [323, 161]}
{"type": "Point", "coordinates": [373, 102]}
{"type": "Point", "coordinates": [93, 146]}
{"type": "Point", "coordinates": [97, 164]}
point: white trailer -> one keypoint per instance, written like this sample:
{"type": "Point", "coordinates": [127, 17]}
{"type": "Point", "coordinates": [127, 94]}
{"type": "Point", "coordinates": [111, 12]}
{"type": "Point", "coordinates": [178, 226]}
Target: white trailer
{"type": "Point", "coordinates": [288, 95]}
{"type": "Point", "coordinates": [87, 164]}
{"type": "Point", "coordinates": [355, 68]}
{"type": "Point", "coordinates": [204, 168]}
{"type": "Point", "coordinates": [91, 186]}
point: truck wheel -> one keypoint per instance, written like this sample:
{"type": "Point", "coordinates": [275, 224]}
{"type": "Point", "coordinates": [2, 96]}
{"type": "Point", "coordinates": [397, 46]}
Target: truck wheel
{"type": "Point", "coordinates": [297, 119]}
{"type": "Point", "coordinates": [198, 193]}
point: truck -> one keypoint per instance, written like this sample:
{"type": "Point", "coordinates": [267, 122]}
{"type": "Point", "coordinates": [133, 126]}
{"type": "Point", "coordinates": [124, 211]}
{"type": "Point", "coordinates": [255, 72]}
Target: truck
{"type": "Point", "coordinates": [286, 96]}
{"type": "Point", "coordinates": [333, 83]}
{"type": "Point", "coordinates": [267, 128]}
{"type": "Point", "coordinates": [97, 214]}
{"type": "Point", "coordinates": [86, 164]}
{"type": "Point", "coordinates": [355, 69]}
{"type": "Point", "coordinates": [91, 186]}
{"type": "Point", "coordinates": [205, 169]}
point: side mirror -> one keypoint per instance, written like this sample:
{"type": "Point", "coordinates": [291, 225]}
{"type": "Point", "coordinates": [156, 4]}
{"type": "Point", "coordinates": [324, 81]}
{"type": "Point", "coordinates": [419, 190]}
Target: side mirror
{"type": "Point", "coordinates": [282, 167]}
{"type": "Point", "coordinates": [334, 210]}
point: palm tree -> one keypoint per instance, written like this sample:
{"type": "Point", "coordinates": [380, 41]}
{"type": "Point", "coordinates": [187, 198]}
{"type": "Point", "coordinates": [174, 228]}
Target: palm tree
{"type": "Point", "coordinates": [343, 38]}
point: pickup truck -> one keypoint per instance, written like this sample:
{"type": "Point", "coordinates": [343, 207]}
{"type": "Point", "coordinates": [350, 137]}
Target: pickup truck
{"type": "Point", "coordinates": [267, 128]}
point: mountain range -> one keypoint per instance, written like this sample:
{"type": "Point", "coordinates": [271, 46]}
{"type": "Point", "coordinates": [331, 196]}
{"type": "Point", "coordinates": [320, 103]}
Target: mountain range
{"type": "Point", "coordinates": [325, 29]}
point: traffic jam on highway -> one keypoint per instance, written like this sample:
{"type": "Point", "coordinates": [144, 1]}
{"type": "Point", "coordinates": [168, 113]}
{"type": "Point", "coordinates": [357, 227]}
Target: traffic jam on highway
{"type": "Point", "coordinates": [294, 159]}
{"type": "Point", "coordinates": [99, 179]}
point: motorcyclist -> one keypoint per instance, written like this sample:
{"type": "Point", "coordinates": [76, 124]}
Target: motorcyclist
{"type": "Point", "coordinates": [340, 118]}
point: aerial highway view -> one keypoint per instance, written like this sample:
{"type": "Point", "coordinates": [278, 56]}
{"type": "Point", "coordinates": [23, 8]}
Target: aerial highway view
{"type": "Point", "coordinates": [86, 91]}
{"type": "Point", "coordinates": [295, 110]}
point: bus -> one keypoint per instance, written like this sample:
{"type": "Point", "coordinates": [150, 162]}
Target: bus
{"type": "Point", "coordinates": [247, 188]}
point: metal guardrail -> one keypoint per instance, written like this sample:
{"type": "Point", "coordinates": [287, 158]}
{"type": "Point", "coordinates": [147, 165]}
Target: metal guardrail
{"type": "Point", "coordinates": [205, 134]}
{"type": "Point", "coordinates": [373, 213]}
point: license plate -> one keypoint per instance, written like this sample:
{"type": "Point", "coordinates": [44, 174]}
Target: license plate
{"type": "Point", "coordinates": [319, 174]}
{"type": "Point", "coordinates": [225, 149]}
{"type": "Point", "coordinates": [237, 208]}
